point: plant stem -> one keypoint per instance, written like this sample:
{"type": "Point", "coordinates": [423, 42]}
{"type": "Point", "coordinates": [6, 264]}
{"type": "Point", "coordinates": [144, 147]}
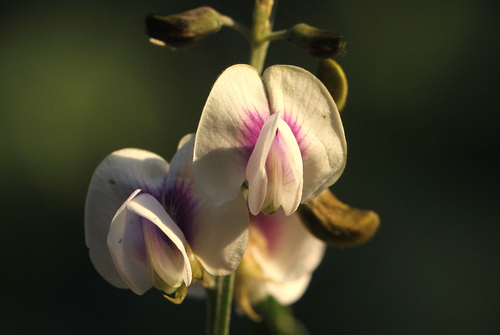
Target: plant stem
{"type": "Point", "coordinates": [219, 301]}
{"type": "Point", "coordinates": [220, 296]}
{"type": "Point", "coordinates": [262, 27]}
{"type": "Point", "coordinates": [277, 35]}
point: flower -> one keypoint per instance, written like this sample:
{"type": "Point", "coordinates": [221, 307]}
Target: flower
{"type": "Point", "coordinates": [281, 133]}
{"type": "Point", "coordinates": [279, 261]}
{"type": "Point", "coordinates": [165, 231]}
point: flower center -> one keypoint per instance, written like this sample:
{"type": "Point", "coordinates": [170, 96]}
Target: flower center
{"type": "Point", "coordinates": [274, 170]}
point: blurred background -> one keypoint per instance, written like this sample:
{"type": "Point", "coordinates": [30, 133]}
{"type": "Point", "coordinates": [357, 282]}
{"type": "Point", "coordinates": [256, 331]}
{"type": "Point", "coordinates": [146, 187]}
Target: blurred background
{"type": "Point", "coordinates": [79, 80]}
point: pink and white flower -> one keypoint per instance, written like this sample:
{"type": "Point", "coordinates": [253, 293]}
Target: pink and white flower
{"type": "Point", "coordinates": [281, 133]}
{"type": "Point", "coordinates": [147, 223]}
{"type": "Point", "coordinates": [280, 260]}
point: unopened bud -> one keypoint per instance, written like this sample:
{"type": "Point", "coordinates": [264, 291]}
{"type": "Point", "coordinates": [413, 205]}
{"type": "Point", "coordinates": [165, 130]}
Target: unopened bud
{"type": "Point", "coordinates": [333, 77]}
{"type": "Point", "coordinates": [336, 223]}
{"type": "Point", "coordinates": [317, 42]}
{"type": "Point", "coordinates": [183, 29]}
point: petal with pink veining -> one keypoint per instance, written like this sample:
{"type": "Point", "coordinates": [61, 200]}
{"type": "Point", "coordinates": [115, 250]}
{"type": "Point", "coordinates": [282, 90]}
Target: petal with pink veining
{"type": "Point", "coordinates": [285, 250]}
{"type": "Point", "coordinates": [232, 118]}
{"type": "Point", "coordinates": [312, 115]}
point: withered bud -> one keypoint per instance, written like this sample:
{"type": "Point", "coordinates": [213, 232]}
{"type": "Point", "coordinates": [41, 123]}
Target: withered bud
{"type": "Point", "coordinates": [183, 29]}
{"type": "Point", "coordinates": [317, 42]}
{"type": "Point", "coordinates": [333, 77]}
{"type": "Point", "coordinates": [336, 223]}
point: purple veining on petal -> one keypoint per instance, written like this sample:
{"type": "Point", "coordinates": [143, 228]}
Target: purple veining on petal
{"type": "Point", "coordinates": [182, 206]}
{"type": "Point", "coordinates": [297, 130]}
{"type": "Point", "coordinates": [250, 132]}
{"type": "Point", "coordinates": [146, 188]}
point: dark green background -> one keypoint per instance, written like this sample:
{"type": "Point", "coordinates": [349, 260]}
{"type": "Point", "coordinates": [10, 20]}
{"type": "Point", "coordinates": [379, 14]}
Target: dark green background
{"type": "Point", "coordinates": [79, 79]}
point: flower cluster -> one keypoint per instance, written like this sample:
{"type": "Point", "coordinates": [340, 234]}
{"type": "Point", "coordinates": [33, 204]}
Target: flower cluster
{"type": "Point", "coordinates": [264, 145]}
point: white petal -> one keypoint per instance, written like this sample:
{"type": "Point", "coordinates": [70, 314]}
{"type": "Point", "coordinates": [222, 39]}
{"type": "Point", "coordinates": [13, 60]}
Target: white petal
{"type": "Point", "coordinates": [287, 293]}
{"type": "Point", "coordinates": [218, 235]}
{"type": "Point", "coordinates": [284, 250]}
{"type": "Point", "coordinates": [222, 236]}
{"type": "Point", "coordinates": [114, 180]}
{"type": "Point", "coordinates": [128, 252]}
{"type": "Point", "coordinates": [149, 208]}
{"type": "Point", "coordinates": [274, 171]}
{"type": "Point", "coordinates": [292, 169]}
{"type": "Point", "coordinates": [185, 139]}
{"type": "Point", "coordinates": [256, 173]}
{"type": "Point", "coordinates": [164, 258]}
{"type": "Point", "coordinates": [234, 113]}
{"type": "Point", "coordinates": [312, 115]}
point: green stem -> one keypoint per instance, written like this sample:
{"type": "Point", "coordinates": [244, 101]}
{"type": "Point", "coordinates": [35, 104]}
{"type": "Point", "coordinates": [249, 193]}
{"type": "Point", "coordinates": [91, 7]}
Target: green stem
{"type": "Point", "coordinates": [277, 35]}
{"type": "Point", "coordinates": [220, 296]}
{"type": "Point", "coordinates": [262, 27]}
{"type": "Point", "coordinates": [219, 301]}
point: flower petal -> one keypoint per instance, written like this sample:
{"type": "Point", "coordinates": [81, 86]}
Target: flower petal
{"type": "Point", "coordinates": [185, 139]}
{"type": "Point", "coordinates": [127, 248]}
{"type": "Point", "coordinates": [256, 173]}
{"type": "Point", "coordinates": [282, 247]}
{"type": "Point", "coordinates": [292, 169]}
{"type": "Point", "coordinates": [234, 113]}
{"type": "Point", "coordinates": [146, 206]}
{"type": "Point", "coordinates": [114, 180]}
{"type": "Point", "coordinates": [218, 235]}
{"type": "Point", "coordinates": [274, 171]}
{"type": "Point", "coordinates": [287, 293]}
{"type": "Point", "coordinates": [312, 115]}
{"type": "Point", "coordinates": [164, 258]}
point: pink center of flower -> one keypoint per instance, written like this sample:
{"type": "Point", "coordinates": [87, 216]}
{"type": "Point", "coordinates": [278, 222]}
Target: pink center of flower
{"type": "Point", "coordinates": [274, 170]}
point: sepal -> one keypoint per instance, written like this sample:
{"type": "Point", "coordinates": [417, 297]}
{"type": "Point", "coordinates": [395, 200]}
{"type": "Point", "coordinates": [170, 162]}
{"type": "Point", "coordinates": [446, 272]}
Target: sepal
{"type": "Point", "coordinates": [336, 223]}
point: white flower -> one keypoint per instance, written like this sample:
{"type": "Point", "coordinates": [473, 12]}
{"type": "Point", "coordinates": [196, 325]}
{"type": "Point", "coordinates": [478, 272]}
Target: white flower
{"type": "Point", "coordinates": [281, 133]}
{"type": "Point", "coordinates": [279, 261]}
{"type": "Point", "coordinates": [149, 225]}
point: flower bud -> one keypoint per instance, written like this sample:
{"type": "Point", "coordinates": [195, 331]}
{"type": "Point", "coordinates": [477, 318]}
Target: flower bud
{"type": "Point", "coordinates": [317, 42]}
{"type": "Point", "coordinates": [183, 29]}
{"type": "Point", "coordinates": [336, 223]}
{"type": "Point", "coordinates": [333, 77]}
